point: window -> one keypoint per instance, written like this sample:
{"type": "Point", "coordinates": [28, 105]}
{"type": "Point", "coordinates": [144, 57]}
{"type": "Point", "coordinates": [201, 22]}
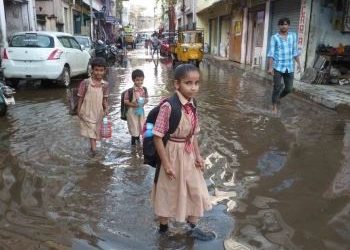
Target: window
{"type": "Point", "coordinates": [32, 40]}
{"type": "Point", "coordinates": [74, 43]}
{"type": "Point", "coordinates": [83, 41]}
{"type": "Point", "coordinates": [65, 42]}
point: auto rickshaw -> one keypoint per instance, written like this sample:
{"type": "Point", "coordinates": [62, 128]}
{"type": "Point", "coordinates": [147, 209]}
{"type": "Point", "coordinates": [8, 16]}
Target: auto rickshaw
{"type": "Point", "coordinates": [188, 48]}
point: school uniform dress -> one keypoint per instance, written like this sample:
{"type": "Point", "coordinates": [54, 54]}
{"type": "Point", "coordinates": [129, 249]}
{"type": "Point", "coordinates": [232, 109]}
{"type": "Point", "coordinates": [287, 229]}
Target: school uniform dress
{"type": "Point", "coordinates": [135, 122]}
{"type": "Point", "coordinates": [91, 112]}
{"type": "Point", "coordinates": [187, 195]}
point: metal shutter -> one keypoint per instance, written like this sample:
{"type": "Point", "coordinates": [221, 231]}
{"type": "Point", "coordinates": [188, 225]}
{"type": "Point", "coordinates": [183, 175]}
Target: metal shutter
{"type": "Point", "coordinates": [285, 8]}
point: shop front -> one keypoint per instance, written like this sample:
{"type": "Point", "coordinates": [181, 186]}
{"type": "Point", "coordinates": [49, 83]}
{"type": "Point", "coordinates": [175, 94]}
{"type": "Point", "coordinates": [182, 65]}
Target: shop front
{"type": "Point", "coordinates": [235, 43]}
{"type": "Point", "coordinates": [328, 54]}
{"type": "Point", "coordinates": [216, 22]}
{"type": "Point", "coordinates": [256, 30]}
{"type": "Point", "coordinates": [285, 8]}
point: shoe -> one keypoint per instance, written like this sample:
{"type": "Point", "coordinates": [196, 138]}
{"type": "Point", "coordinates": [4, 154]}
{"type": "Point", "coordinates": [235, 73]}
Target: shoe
{"type": "Point", "coordinates": [202, 235]}
{"type": "Point", "coordinates": [92, 153]}
{"type": "Point", "coordinates": [133, 140]}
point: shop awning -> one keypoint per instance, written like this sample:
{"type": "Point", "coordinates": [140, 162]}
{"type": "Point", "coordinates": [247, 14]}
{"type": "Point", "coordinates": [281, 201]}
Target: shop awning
{"type": "Point", "coordinates": [95, 5]}
{"type": "Point", "coordinates": [216, 4]}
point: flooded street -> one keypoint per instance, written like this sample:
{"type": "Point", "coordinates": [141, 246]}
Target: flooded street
{"type": "Point", "coordinates": [277, 182]}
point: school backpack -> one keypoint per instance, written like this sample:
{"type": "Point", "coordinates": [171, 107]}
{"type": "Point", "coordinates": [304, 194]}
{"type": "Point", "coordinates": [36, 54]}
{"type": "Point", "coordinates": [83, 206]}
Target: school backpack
{"type": "Point", "coordinates": [123, 107]}
{"type": "Point", "coordinates": [73, 99]}
{"type": "Point", "coordinates": [150, 154]}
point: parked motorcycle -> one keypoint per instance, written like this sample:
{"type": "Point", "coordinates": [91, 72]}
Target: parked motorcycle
{"type": "Point", "coordinates": [107, 51]}
{"type": "Point", "coordinates": [101, 49]}
{"type": "Point", "coordinates": [6, 97]}
{"type": "Point", "coordinates": [111, 53]}
{"type": "Point", "coordinates": [6, 93]}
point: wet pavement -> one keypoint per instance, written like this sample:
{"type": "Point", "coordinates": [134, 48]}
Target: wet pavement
{"type": "Point", "coordinates": [278, 182]}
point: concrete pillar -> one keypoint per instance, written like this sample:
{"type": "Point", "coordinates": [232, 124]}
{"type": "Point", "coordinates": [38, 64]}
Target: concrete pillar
{"type": "Point", "coordinates": [31, 15]}
{"type": "Point", "coordinates": [194, 14]}
{"type": "Point", "coordinates": [91, 22]}
{"type": "Point", "coordinates": [218, 35]}
{"type": "Point", "coordinates": [266, 34]}
{"type": "Point", "coordinates": [244, 36]}
{"type": "Point", "coordinates": [3, 30]}
{"type": "Point", "coordinates": [303, 33]}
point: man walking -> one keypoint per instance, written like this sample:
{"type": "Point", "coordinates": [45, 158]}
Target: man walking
{"type": "Point", "coordinates": [155, 44]}
{"type": "Point", "coordinates": [283, 51]}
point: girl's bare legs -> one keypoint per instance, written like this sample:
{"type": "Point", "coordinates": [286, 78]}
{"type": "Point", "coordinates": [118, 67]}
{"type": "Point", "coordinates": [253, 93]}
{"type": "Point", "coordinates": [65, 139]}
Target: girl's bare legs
{"type": "Point", "coordinates": [192, 220]}
{"type": "Point", "coordinates": [93, 145]}
{"type": "Point", "coordinates": [163, 224]}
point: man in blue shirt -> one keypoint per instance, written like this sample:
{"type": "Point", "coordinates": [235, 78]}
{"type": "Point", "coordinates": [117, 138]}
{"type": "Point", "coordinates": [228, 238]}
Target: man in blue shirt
{"type": "Point", "coordinates": [283, 51]}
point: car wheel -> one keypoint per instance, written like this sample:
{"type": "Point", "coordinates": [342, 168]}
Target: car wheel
{"type": "Point", "coordinates": [65, 78]}
{"type": "Point", "coordinates": [3, 109]}
{"type": "Point", "coordinates": [13, 82]}
{"type": "Point", "coordinates": [175, 63]}
{"type": "Point", "coordinates": [45, 83]}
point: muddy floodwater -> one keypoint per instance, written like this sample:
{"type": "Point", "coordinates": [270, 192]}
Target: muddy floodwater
{"type": "Point", "coordinates": [277, 182]}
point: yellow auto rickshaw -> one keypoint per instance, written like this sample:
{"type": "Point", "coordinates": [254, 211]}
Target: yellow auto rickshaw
{"type": "Point", "coordinates": [188, 48]}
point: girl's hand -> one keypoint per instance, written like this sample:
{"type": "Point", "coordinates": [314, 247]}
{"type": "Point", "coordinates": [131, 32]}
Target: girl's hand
{"type": "Point", "coordinates": [169, 171]}
{"type": "Point", "coordinates": [199, 163]}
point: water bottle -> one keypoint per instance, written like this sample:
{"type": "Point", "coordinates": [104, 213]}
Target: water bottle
{"type": "Point", "coordinates": [139, 109]}
{"type": "Point", "coordinates": [148, 131]}
{"type": "Point", "coordinates": [140, 101]}
{"type": "Point", "coordinates": [105, 120]}
{"type": "Point", "coordinates": [106, 128]}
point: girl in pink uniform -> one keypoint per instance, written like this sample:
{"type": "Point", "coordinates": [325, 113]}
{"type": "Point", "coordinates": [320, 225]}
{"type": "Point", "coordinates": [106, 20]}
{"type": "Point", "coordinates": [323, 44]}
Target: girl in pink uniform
{"type": "Point", "coordinates": [181, 192]}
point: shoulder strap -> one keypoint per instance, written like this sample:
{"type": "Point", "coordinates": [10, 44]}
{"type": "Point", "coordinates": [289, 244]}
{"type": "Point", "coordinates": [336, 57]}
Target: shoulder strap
{"type": "Point", "coordinates": [130, 93]}
{"type": "Point", "coordinates": [86, 84]}
{"type": "Point", "coordinates": [146, 92]}
{"type": "Point", "coordinates": [175, 115]}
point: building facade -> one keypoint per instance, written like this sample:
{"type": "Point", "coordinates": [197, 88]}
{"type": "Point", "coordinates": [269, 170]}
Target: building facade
{"type": "Point", "coordinates": [16, 15]}
{"type": "Point", "coordinates": [185, 11]}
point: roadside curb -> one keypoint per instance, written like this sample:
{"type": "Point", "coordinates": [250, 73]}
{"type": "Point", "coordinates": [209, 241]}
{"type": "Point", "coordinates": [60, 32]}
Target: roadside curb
{"type": "Point", "coordinates": [325, 95]}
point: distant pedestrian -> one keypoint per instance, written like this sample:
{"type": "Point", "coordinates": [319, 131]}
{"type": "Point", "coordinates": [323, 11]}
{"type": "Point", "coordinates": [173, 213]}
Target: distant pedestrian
{"type": "Point", "coordinates": [180, 191]}
{"type": "Point", "coordinates": [283, 51]}
{"type": "Point", "coordinates": [155, 45]}
{"type": "Point", "coordinates": [93, 102]}
{"type": "Point", "coordinates": [135, 103]}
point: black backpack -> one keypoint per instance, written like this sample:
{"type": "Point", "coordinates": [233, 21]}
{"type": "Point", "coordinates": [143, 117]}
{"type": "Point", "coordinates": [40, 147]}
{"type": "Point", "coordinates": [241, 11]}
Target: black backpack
{"type": "Point", "coordinates": [123, 107]}
{"type": "Point", "coordinates": [150, 154]}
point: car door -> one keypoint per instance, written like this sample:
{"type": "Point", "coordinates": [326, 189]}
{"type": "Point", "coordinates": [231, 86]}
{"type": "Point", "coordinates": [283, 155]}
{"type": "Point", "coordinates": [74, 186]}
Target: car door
{"type": "Point", "coordinates": [81, 56]}
{"type": "Point", "coordinates": [69, 53]}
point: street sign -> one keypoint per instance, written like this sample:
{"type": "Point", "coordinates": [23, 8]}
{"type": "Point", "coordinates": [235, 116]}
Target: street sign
{"type": "Point", "coordinates": [111, 19]}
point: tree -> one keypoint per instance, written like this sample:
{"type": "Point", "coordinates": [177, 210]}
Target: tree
{"type": "Point", "coordinates": [168, 8]}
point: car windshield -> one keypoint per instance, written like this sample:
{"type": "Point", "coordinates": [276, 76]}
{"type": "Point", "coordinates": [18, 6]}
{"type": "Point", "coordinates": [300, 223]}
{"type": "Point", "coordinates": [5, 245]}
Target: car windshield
{"type": "Point", "coordinates": [32, 40]}
{"type": "Point", "coordinates": [83, 41]}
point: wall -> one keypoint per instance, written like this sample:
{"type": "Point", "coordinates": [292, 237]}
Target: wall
{"type": "Point", "coordinates": [322, 31]}
{"type": "Point", "coordinates": [202, 20]}
{"type": "Point", "coordinates": [202, 4]}
{"type": "Point", "coordinates": [17, 18]}
{"type": "Point", "coordinates": [206, 12]}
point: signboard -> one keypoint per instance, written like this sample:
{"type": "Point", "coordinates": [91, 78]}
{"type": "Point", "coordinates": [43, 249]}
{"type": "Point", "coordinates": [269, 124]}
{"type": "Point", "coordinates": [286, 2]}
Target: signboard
{"type": "Point", "coordinates": [111, 19]}
{"type": "Point", "coordinates": [302, 25]}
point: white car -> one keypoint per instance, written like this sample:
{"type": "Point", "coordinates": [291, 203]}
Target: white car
{"type": "Point", "coordinates": [44, 55]}
{"type": "Point", "coordinates": [86, 43]}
